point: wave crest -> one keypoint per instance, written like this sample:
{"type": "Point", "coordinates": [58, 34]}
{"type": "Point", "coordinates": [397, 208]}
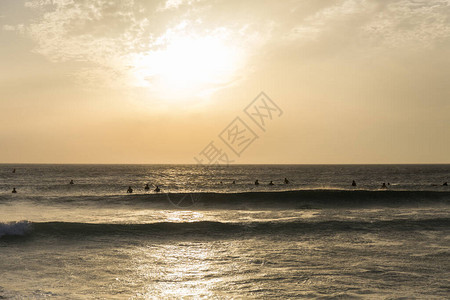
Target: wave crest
{"type": "Point", "coordinates": [14, 228]}
{"type": "Point", "coordinates": [222, 229]}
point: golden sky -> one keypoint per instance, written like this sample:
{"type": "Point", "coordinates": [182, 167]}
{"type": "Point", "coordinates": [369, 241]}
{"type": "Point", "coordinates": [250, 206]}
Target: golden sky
{"type": "Point", "coordinates": [136, 81]}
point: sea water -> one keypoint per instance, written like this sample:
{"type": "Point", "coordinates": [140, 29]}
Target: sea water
{"type": "Point", "coordinates": [204, 237]}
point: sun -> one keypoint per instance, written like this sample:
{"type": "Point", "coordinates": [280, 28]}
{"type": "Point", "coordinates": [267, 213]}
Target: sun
{"type": "Point", "coordinates": [188, 66]}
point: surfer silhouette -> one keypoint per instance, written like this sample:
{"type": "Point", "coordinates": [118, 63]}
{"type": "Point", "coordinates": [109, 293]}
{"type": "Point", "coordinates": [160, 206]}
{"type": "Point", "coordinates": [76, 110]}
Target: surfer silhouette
{"type": "Point", "coordinates": [256, 182]}
{"type": "Point", "coordinates": [384, 186]}
{"type": "Point", "coordinates": [14, 170]}
{"type": "Point", "coordinates": [14, 191]}
{"type": "Point", "coordinates": [71, 182]}
{"type": "Point", "coordinates": [157, 189]}
{"type": "Point", "coordinates": [146, 187]}
{"type": "Point", "coordinates": [130, 190]}
{"type": "Point", "coordinates": [353, 183]}
{"type": "Point", "coordinates": [445, 184]}
{"type": "Point", "coordinates": [271, 182]}
{"type": "Point", "coordinates": [286, 181]}
{"type": "Point", "coordinates": [234, 182]}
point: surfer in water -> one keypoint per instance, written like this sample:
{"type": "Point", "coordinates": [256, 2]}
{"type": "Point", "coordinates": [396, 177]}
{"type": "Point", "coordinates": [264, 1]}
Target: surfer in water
{"type": "Point", "coordinates": [353, 183]}
{"type": "Point", "coordinates": [130, 190]}
{"type": "Point", "coordinates": [14, 191]}
{"type": "Point", "coordinates": [146, 187]}
{"type": "Point", "coordinates": [384, 186]}
{"type": "Point", "coordinates": [257, 182]}
{"type": "Point", "coordinates": [445, 184]}
{"type": "Point", "coordinates": [234, 182]}
{"type": "Point", "coordinates": [14, 170]}
{"type": "Point", "coordinates": [286, 181]}
{"type": "Point", "coordinates": [157, 189]}
{"type": "Point", "coordinates": [71, 181]}
{"type": "Point", "coordinates": [271, 182]}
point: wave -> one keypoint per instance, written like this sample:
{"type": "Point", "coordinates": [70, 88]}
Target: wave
{"type": "Point", "coordinates": [216, 229]}
{"type": "Point", "coordinates": [14, 228]}
{"type": "Point", "coordinates": [285, 199]}
{"type": "Point", "coordinates": [319, 198]}
{"type": "Point", "coordinates": [294, 199]}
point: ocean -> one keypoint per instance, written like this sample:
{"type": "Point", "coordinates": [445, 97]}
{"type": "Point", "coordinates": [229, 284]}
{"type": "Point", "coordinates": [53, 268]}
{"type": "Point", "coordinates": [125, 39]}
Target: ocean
{"type": "Point", "coordinates": [204, 237]}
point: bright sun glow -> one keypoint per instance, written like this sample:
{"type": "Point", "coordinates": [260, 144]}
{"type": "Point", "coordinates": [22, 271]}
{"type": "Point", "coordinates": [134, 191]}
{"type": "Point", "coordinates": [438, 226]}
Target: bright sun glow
{"type": "Point", "coordinates": [188, 66]}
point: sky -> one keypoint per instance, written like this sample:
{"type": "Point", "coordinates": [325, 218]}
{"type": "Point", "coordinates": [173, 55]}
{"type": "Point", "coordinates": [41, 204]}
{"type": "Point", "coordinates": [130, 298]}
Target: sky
{"type": "Point", "coordinates": [180, 81]}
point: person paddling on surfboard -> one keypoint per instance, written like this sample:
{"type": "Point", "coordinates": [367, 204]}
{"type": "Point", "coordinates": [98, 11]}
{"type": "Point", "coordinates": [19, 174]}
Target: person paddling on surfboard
{"type": "Point", "coordinates": [130, 190]}
{"type": "Point", "coordinates": [146, 187]}
{"type": "Point", "coordinates": [157, 189]}
{"type": "Point", "coordinates": [353, 183]}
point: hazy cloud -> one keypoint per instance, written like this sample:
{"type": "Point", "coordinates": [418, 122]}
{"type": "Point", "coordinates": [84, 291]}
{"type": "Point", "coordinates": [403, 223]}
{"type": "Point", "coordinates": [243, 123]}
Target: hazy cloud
{"type": "Point", "coordinates": [174, 4]}
{"type": "Point", "coordinates": [8, 28]}
{"type": "Point", "coordinates": [410, 23]}
{"type": "Point", "coordinates": [110, 35]}
{"type": "Point", "coordinates": [19, 28]}
{"type": "Point", "coordinates": [401, 23]}
{"type": "Point", "coordinates": [327, 18]}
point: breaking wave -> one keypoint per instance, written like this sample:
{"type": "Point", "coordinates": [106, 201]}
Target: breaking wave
{"type": "Point", "coordinates": [14, 228]}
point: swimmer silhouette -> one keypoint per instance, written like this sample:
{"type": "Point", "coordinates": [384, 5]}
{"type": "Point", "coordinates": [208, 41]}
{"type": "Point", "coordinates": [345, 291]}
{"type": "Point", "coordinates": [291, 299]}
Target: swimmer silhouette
{"type": "Point", "coordinates": [71, 182]}
{"type": "Point", "coordinates": [146, 187]}
{"type": "Point", "coordinates": [256, 182]}
{"type": "Point", "coordinates": [353, 183]}
{"type": "Point", "coordinates": [445, 184]}
{"type": "Point", "coordinates": [384, 186]}
{"type": "Point", "coordinates": [157, 189]}
{"type": "Point", "coordinates": [130, 190]}
{"type": "Point", "coordinates": [14, 170]}
{"type": "Point", "coordinates": [14, 191]}
{"type": "Point", "coordinates": [271, 183]}
{"type": "Point", "coordinates": [234, 182]}
{"type": "Point", "coordinates": [286, 181]}
{"type": "Point", "coordinates": [221, 182]}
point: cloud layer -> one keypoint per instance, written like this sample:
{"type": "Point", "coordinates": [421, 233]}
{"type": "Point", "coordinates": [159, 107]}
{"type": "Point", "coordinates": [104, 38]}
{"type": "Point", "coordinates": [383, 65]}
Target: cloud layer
{"type": "Point", "coordinates": [105, 37]}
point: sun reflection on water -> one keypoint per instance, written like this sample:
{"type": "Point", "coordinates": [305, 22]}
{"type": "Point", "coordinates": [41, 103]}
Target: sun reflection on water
{"type": "Point", "coordinates": [183, 216]}
{"type": "Point", "coordinates": [175, 271]}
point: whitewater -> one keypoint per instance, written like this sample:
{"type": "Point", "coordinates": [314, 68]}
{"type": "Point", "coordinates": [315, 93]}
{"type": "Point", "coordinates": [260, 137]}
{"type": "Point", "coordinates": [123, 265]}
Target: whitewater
{"type": "Point", "coordinates": [204, 237]}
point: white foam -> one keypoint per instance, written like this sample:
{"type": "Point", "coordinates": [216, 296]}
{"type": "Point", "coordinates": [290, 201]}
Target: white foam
{"type": "Point", "coordinates": [14, 228]}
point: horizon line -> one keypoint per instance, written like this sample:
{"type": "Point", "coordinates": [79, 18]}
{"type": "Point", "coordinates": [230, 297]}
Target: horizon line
{"type": "Point", "coordinates": [241, 164]}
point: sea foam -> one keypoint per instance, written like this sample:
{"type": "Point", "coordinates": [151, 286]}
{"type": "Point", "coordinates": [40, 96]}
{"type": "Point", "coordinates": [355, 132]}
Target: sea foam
{"type": "Point", "coordinates": [14, 228]}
